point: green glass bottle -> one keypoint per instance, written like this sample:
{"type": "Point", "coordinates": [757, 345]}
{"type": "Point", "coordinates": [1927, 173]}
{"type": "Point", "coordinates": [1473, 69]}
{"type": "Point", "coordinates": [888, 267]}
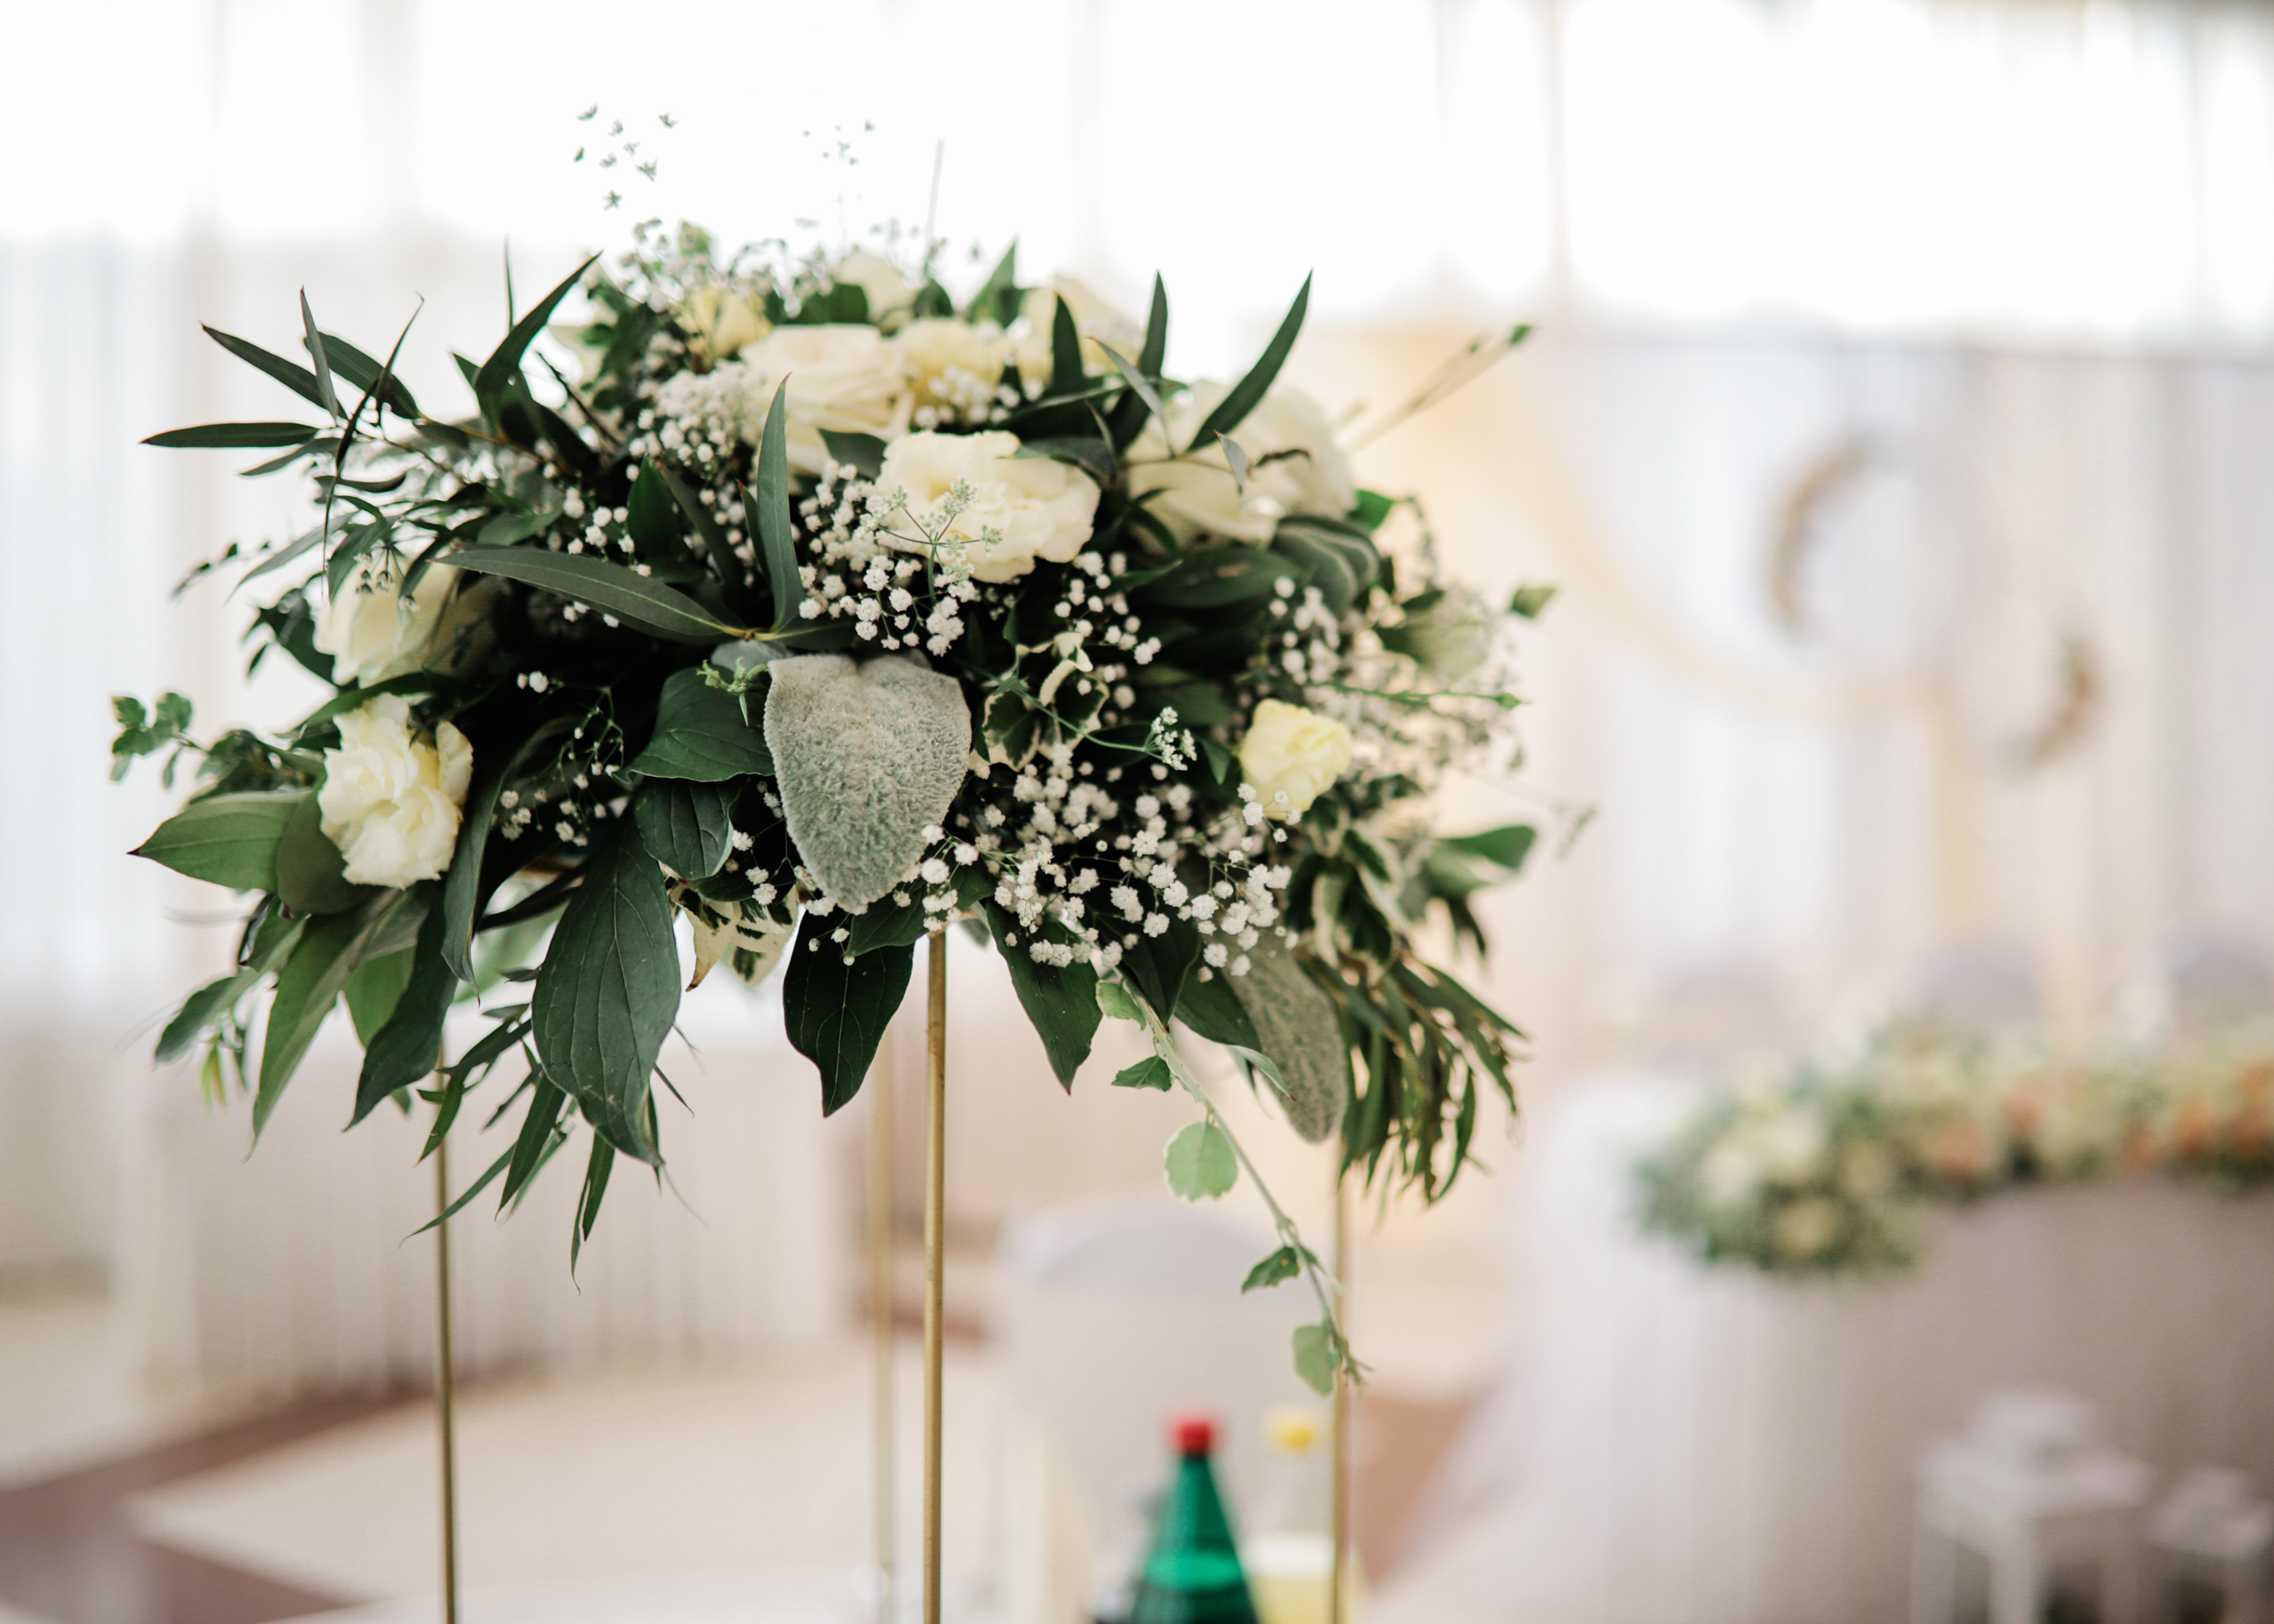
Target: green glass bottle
{"type": "Point", "coordinates": [1192, 1575]}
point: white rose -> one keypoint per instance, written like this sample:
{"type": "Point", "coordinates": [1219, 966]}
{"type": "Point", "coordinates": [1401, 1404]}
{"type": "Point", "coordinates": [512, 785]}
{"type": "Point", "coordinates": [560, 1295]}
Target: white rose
{"type": "Point", "coordinates": [1291, 756]}
{"type": "Point", "coordinates": [843, 377]}
{"type": "Point", "coordinates": [950, 364]}
{"type": "Point", "coordinates": [370, 632]}
{"type": "Point", "coordinates": [1305, 472]}
{"type": "Point", "coordinates": [880, 279]}
{"type": "Point", "coordinates": [391, 800]}
{"type": "Point", "coordinates": [1034, 507]}
{"type": "Point", "coordinates": [717, 322]}
{"type": "Point", "coordinates": [1099, 323]}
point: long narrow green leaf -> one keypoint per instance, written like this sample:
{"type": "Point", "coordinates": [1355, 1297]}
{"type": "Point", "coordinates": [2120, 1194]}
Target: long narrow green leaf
{"type": "Point", "coordinates": [363, 373]}
{"type": "Point", "coordinates": [537, 1131]}
{"type": "Point", "coordinates": [504, 364]}
{"type": "Point", "coordinates": [1248, 393]}
{"type": "Point", "coordinates": [409, 1045]}
{"type": "Point", "coordinates": [308, 986]}
{"type": "Point", "coordinates": [292, 374]}
{"type": "Point", "coordinates": [1136, 381]}
{"type": "Point", "coordinates": [246, 436]}
{"type": "Point", "coordinates": [633, 599]}
{"type": "Point", "coordinates": [773, 512]}
{"type": "Point", "coordinates": [327, 396]}
{"type": "Point", "coordinates": [471, 1190]}
{"type": "Point", "coordinates": [462, 887]}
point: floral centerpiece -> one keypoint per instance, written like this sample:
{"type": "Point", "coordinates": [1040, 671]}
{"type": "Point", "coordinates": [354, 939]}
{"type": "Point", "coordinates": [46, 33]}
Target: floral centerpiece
{"type": "Point", "coordinates": [807, 603]}
{"type": "Point", "coordinates": [1828, 1168]}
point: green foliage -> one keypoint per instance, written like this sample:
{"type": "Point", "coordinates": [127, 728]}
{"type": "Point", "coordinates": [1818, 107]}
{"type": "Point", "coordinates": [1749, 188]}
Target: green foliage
{"type": "Point", "coordinates": [1317, 1355]}
{"type": "Point", "coordinates": [1061, 1000]}
{"type": "Point", "coordinates": [1150, 1072]}
{"type": "Point", "coordinates": [701, 734]}
{"type": "Point", "coordinates": [1248, 393]}
{"type": "Point", "coordinates": [146, 733]}
{"type": "Point", "coordinates": [1201, 1163]}
{"type": "Point", "coordinates": [687, 827]}
{"type": "Point", "coordinates": [654, 608]}
{"type": "Point", "coordinates": [409, 1046]}
{"type": "Point", "coordinates": [836, 1011]}
{"type": "Point", "coordinates": [228, 839]}
{"type": "Point", "coordinates": [311, 871]}
{"type": "Point", "coordinates": [1281, 1265]}
{"type": "Point", "coordinates": [310, 984]}
{"type": "Point", "coordinates": [775, 539]}
{"type": "Point", "coordinates": [608, 991]}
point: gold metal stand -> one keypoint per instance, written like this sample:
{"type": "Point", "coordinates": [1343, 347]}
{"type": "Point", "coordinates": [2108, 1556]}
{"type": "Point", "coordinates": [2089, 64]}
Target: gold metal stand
{"type": "Point", "coordinates": [935, 1241]}
{"type": "Point", "coordinates": [1337, 1584]}
{"type": "Point", "coordinates": [883, 1300]}
{"type": "Point", "coordinates": [445, 1385]}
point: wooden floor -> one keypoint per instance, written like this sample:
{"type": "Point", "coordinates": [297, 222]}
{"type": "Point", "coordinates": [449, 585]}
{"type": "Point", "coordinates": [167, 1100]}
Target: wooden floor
{"type": "Point", "coordinates": [69, 1551]}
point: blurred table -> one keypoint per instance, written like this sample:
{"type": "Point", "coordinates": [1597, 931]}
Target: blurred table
{"type": "Point", "coordinates": [1680, 1444]}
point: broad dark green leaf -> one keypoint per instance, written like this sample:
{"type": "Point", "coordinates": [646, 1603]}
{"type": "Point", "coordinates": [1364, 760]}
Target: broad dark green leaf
{"type": "Point", "coordinates": [292, 374]}
{"type": "Point", "coordinates": [1093, 456]}
{"type": "Point", "coordinates": [241, 435]}
{"type": "Point", "coordinates": [1218, 575]}
{"type": "Point", "coordinates": [608, 989]}
{"type": "Point", "coordinates": [632, 599]}
{"type": "Point", "coordinates": [653, 517]}
{"type": "Point", "coordinates": [837, 1012]}
{"type": "Point", "coordinates": [1282, 1265]}
{"type": "Point", "coordinates": [700, 734]}
{"type": "Point", "coordinates": [462, 887]}
{"type": "Point", "coordinates": [1248, 393]}
{"type": "Point", "coordinates": [862, 452]}
{"type": "Point", "coordinates": [504, 364]}
{"type": "Point", "coordinates": [688, 827]}
{"type": "Point", "coordinates": [774, 536]}
{"type": "Point", "coordinates": [308, 986]}
{"type": "Point", "coordinates": [887, 924]}
{"type": "Point", "coordinates": [1150, 1072]}
{"type": "Point", "coordinates": [374, 988]}
{"type": "Point", "coordinates": [1201, 1163]}
{"type": "Point", "coordinates": [1212, 1009]}
{"type": "Point", "coordinates": [410, 1046]}
{"type": "Point", "coordinates": [1061, 1001]}
{"type": "Point", "coordinates": [1158, 966]}
{"type": "Point", "coordinates": [311, 870]}
{"type": "Point", "coordinates": [228, 839]}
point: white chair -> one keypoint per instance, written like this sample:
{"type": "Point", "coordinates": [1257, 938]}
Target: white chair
{"type": "Point", "coordinates": [2030, 1491]}
{"type": "Point", "coordinates": [1112, 1318]}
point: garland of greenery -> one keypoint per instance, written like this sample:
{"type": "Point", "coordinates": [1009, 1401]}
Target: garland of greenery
{"type": "Point", "coordinates": [1826, 1169]}
{"type": "Point", "coordinates": [823, 610]}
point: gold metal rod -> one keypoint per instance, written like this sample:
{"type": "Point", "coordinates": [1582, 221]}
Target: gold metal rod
{"type": "Point", "coordinates": [883, 1300]}
{"type": "Point", "coordinates": [1337, 1584]}
{"type": "Point", "coordinates": [445, 1385]}
{"type": "Point", "coordinates": [935, 1246]}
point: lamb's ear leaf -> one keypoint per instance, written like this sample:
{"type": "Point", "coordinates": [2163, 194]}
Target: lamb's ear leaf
{"type": "Point", "coordinates": [867, 756]}
{"type": "Point", "coordinates": [1248, 393]}
{"type": "Point", "coordinates": [608, 991]}
{"type": "Point", "coordinates": [1061, 1000]}
{"type": "Point", "coordinates": [837, 1012]}
{"type": "Point", "coordinates": [1298, 1028]}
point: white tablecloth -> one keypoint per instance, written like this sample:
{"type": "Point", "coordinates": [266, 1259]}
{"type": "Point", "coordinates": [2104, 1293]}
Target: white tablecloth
{"type": "Point", "coordinates": [1680, 1445]}
{"type": "Point", "coordinates": [294, 1269]}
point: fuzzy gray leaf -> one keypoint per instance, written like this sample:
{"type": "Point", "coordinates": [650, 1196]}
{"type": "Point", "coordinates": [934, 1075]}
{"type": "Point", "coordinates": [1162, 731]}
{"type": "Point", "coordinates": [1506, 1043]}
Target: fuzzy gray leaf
{"type": "Point", "coordinates": [1297, 1026]}
{"type": "Point", "coordinates": [866, 754]}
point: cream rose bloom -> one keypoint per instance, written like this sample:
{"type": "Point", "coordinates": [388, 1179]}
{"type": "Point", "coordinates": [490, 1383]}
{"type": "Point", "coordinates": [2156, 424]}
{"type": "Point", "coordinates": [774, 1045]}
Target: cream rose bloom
{"type": "Point", "coordinates": [951, 365]}
{"type": "Point", "coordinates": [1291, 756]}
{"type": "Point", "coordinates": [370, 632]}
{"type": "Point", "coordinates": [719, 321]}
{"type": "Point", "coordinates": [390, 800]}
{"type": "Point", "coordinates": [889, 292]}
{"type": "Point", "coordinates": [1099, 323]}
{"type": "Point", "coordinates": [842, 376]}
{"type": "Point", "coordinates": [1036, 507]}
{"type": "Point", "coordinates": [1306, 473]}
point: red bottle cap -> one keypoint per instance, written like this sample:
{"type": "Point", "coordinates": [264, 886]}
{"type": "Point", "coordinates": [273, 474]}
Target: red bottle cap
{"type": "Point", "coordinates": [1195, 1434]}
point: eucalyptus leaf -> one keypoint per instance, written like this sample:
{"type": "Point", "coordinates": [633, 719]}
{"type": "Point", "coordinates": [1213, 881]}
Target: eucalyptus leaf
{"type": "Point", "coordinates": [836, 1012]}
{"type": "Point", "coordinates": [775, 540]}
{"type": "Point", "coordinates": [866, 755]}
{"type": "Point", "coordinates": [234, 435]}
{"type": "Point", "coordinates": [504, 364]}
{"type": "Point", "coordinates": [366, 373]}
{"type": "Point", "coordinates": [1201, 1163]}
{"type": "Point", "coordinates": [700, 734]}
{"type": "Point", "coordinates": [292, 374]}
{"type": "Point", "coordinates": [608, 989]}
{"type": "Point", "coordinates": [325, 396]}
{"type": "Point", "coordinates": [633, 599]}
{"type": "Point", "coordinates": [228, 839]}
{"type": "Point", "coordinates": [1248, 393]}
